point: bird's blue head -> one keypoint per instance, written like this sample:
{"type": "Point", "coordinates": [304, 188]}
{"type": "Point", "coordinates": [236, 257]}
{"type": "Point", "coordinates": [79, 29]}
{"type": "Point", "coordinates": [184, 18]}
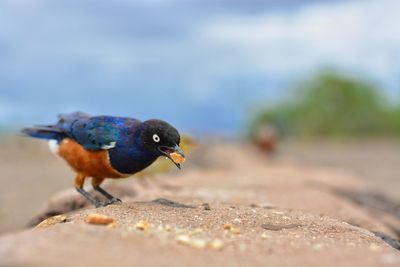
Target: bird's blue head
{"type": "Point", "coordinates": [161, 139]}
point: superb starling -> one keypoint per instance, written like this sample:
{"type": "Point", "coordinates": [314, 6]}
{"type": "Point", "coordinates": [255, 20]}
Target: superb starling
{"type": "Point", "coordinates": [103, 147]}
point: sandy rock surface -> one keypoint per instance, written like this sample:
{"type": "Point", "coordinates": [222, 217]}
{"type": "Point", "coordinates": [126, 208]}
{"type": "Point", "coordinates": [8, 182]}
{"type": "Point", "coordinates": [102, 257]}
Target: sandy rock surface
{"type": "Point", "coordinates": [232, 208]}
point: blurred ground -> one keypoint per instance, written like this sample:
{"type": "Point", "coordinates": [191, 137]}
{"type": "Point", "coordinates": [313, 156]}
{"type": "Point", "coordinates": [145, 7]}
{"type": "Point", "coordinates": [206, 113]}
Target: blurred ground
{"type": "Point", "coordinates": [304, 206]}
{"type": "Point", "coordinates": [376, 162]}
{"type": "Point", "coordinates": [31, 174]}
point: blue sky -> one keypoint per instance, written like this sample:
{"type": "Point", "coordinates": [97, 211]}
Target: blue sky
{"type": "Point", "coordinates": [199, 64]}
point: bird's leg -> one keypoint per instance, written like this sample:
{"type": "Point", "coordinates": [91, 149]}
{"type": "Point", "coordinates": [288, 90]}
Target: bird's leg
{"type": "Point", "coordinates": [96, 186]}
{"type": "Point", "coordinates": [79, 180]}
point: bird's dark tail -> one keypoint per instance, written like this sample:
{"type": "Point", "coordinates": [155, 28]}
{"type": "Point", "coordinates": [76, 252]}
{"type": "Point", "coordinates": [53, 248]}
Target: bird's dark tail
{"type": "Point", "coordinates": [44, 132]}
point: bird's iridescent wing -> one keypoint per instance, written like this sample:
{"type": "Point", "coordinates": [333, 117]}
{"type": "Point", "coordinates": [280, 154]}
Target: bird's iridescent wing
{"type": "Point", "coordinates": [96, 133]}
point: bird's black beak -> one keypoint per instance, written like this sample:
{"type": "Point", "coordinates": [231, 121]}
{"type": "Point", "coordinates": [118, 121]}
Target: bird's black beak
{"type": "Point", "coordinates": [175, 154]}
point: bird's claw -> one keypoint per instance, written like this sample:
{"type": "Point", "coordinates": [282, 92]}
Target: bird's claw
{"type": "Point", "coordinates": [98, 204]}
{"type": "Point", "coordinates": [111, 201]}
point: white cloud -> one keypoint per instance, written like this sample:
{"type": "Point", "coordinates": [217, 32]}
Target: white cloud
{"type": "Point", "coordinates": [361, 35]}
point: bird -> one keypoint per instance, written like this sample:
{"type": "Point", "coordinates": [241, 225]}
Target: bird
{"type": "Point", "coordinates": [104, 147]}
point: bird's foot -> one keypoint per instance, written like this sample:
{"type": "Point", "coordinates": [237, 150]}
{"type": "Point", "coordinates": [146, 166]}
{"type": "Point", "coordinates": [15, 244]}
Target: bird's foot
{"type": "Point", "coordinates": [111, 201]}
{"type": "Point", "coordinates": [98, 204]}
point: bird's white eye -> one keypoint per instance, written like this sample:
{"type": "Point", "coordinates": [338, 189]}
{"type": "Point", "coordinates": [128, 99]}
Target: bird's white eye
{"type": "Point", "coordinates": [156, 138]}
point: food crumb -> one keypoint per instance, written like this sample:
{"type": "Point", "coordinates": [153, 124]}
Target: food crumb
{"type": "Point", "coordinates": [183, 239]}
{"type": "Point", "coordinates": [227, 226]}
{"type": "Point", "coordinates": [374, 247]}
{"type": "Point", "coordinates": [216, 244]}
{"type": "Point", "coordinates": [95, 218]}
{"type": "Point", "coordinates": [142, 226]}
{"type": "Point", "coordinates": [52, 220]}
{"type": "Point", "coordinates": [198, 243]}
{"type": "Point", "coordinates": [177, 158]}
{"type": "Point", "coordinates": [264, 236]}
{"type": "Point", "coordinates": [231, 228]}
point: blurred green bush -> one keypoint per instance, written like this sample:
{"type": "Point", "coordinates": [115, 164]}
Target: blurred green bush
{"type": "Point", "coordinates": [331, 104]}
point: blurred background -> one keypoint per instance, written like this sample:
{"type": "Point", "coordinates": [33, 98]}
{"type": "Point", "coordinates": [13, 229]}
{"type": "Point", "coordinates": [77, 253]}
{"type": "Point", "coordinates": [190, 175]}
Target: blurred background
{"type": "Point", "coordinates": [312, 80]}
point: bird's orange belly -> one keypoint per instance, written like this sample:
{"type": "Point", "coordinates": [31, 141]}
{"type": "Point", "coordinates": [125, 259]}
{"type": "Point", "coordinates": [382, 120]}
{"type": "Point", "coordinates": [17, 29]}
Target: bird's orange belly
{"type": "Point", "coordinates": [88, 163]}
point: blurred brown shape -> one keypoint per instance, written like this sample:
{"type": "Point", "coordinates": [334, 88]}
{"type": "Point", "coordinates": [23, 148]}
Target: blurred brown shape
{"type": "Point", "coordinates": [266, 138]}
